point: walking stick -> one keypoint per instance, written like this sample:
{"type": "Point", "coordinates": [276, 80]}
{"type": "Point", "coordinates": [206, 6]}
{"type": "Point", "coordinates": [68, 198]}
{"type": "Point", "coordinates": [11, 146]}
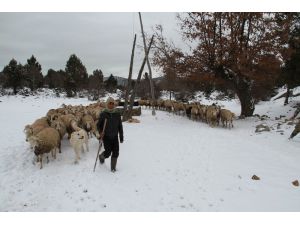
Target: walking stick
{"type": "Point", "coordinates": [100, 144]}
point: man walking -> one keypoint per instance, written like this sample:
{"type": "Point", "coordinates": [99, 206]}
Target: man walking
{"type": "Point", "coordinates": [110, 135]}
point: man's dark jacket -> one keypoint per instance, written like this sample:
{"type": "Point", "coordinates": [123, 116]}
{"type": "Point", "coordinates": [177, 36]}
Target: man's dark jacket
{"type": "Point", "coordinates": [113, 124]}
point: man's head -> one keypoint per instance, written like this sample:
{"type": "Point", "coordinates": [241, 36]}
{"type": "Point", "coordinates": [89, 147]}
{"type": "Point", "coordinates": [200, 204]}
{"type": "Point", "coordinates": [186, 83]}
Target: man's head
{"type": "Point", "coordinates": [110, 103]}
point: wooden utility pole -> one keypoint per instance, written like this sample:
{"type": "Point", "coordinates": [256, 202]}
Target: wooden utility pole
{"type": "Point", "coordinates": [148, 64]}
{"type": "Point", "coordinates": [128, 114]}
{"type": "Point", "coordinates": [128, 88]}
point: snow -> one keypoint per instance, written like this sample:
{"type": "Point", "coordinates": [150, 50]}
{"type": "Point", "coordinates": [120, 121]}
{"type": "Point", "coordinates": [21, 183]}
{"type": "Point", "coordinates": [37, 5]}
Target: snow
{"type": "Point", "coordinates": [166, 163]}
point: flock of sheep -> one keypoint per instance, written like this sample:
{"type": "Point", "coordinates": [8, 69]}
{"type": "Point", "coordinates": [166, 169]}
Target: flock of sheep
{"type": "Point", "coordinates": [212, 114]}
{"type": "Point", "coordinates": [79, 122]}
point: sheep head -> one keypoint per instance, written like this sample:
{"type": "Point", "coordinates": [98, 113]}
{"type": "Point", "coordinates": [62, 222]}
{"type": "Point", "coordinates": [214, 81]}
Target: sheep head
{"type": "Point", "coordinates": [28, 130]}
{"type": "Point", "coordinates": [57, 125]}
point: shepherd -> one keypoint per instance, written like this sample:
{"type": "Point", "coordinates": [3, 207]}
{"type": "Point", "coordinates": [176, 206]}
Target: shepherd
{"type": "Point", "coordinates": [113, 128]}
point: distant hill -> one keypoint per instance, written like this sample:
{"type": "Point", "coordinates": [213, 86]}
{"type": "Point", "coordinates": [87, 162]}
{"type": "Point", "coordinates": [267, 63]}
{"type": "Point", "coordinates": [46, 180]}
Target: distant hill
{"type": "Point", "coordinates": [123, 81]}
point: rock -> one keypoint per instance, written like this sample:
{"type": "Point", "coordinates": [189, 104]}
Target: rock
{"type": "Point", "coordinates": [262, 128]}
{"type": "Point", "coordinates": [136, 111]}
{"type": "Point", "coordinates": [264, 117]}
{"type": "Point", "coordinates": [296, 183]}
{"type": "Point", "coordinates": [254, 177]}
{"type": "Point", "coordinates": [133, 120]}
{"type": "Point", "coordinates": [242, 117]}
{"type": "Point", "coordinates": [280, 117]}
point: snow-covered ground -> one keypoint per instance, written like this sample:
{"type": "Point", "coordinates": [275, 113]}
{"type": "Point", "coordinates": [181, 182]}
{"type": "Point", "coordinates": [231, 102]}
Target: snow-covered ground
{"type": "Point", "coordinates": [166, 163]}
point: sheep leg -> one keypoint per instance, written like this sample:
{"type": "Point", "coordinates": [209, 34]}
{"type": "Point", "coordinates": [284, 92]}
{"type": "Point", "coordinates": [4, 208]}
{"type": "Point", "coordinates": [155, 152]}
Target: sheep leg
{"type": "Point", "coordinates": [59, 147]}
{"type": "Point", "coordinates": [41, 161]}
{"type": "Point", "coordinates": [33, 160]}
{"type": "Point", "coordinates": [77, 156]}
{"type": "Point", "coordinates": [87, 146]}
{"type": "Point", "coordinates": [55, 152]}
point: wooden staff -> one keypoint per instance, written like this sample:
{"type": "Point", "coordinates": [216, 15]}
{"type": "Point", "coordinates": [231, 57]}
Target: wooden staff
{"type": "Point", "coordinates": [100, 144]}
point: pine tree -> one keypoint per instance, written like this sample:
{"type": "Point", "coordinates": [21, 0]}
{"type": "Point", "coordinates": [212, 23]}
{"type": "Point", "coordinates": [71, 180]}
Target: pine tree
{"type": "Point", "coordinates": [96, 83]}
{"type": "Point", "coordinates": [111, 83]}
{"type": "Point", "coordinates": [55, 79]}
{"type": "Point", "coordinates": [77, 72]}
{"type": "Point", "coordinates": [13, 71]}
{"type": "Point", "coordinates": [33, 73]}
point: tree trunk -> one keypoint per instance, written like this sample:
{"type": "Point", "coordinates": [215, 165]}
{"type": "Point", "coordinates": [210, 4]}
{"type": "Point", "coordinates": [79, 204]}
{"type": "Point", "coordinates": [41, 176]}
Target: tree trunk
{"type": "Point", "coordinates": [148, 64]}
{"type": "Point", "coordinates": [129, 75]}
{"type": "Point", "coordinates": [245, 96]}
{"type": "Point", "coordinates": [243, 87]}
{"type": "Point", "coordinates": [15, 90]}
{"type": "Point", "coordinates": [288, 93]}
{"type": "Point", "coordinates": [128, 114]}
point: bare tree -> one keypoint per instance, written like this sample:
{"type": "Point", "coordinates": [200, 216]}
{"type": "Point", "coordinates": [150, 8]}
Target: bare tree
{"type": "Point", "coordinates": [148, 63]}
{"type": "Point", "coordinates": [128, 88]}
{"type": "Point", "coordinates": [243, 49]}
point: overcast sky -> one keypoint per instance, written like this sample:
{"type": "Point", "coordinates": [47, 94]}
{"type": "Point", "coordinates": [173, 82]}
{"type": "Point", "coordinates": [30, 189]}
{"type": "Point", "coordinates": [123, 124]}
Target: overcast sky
{"type": "Point", "coordinates": [101, 40]}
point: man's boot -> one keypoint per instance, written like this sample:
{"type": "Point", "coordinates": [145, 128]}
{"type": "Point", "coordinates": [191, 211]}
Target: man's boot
{"type": "Point", "coordinates": [101, 158]}
{"type": "Point", "coordinates": [113, 164]}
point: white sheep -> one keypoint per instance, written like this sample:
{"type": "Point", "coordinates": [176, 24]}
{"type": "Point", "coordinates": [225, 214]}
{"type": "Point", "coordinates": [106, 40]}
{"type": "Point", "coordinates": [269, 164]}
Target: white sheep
{"type": "Point", "coordinates": [71, 123]}
{"type": "Point", "coordinates": [60, 127]}
{"type": "Point", "coordinates": [213, 115]}
{"type": "Point", "coordinates": [226, 118]}
{"type": "Point", "coordinates": [88, 124]}
{"type": "Point", "coordinates": [46, 141]}
{"type": "Point", "coordinates": [79, 141]}
{"type": "Point", "coordinates": [35, 127]}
